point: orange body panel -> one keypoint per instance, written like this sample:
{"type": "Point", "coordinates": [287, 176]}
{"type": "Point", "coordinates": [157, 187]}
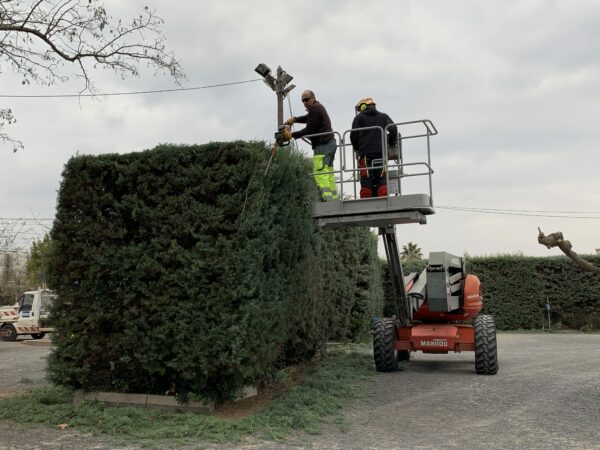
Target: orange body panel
{"type": "Point", "coordinates": [473, 299]}
{"type": "Point", "coordinates": [436, 338]}
{"type": "Point", "coordinates": [472, 304]}
{"type": "Point", "coordinates": [447, 334]}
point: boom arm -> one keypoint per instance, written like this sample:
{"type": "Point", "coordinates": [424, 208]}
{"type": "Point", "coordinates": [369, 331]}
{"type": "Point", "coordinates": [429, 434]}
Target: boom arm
{"type": "Point", "coordinates": [405, 305]}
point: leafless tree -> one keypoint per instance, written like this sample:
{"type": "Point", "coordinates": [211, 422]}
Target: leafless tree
{"type": "Point", "coordinates": [38, 37]}
{"type": "Point", "coordinates": [12, 260]}
{"type": "Point", "coordinates": [10, 231]}
{"type": "Point", "coordinates": [557, 240]}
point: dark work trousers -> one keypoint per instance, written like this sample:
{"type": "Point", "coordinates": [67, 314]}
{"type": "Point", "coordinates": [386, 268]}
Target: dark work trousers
{"type": "Point", "coordinates": [372, 180]}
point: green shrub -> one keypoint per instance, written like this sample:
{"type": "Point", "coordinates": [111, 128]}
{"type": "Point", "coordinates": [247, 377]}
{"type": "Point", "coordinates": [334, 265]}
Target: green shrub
{"type": "Point", "coordinates": [184, 269]}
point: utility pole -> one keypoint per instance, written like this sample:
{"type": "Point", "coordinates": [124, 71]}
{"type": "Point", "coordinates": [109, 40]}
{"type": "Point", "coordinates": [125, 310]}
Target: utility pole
{"type": "Point", "coordinates": [279, 85]}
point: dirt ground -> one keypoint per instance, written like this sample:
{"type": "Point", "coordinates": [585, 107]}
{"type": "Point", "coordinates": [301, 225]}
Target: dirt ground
{"type": "Point", "coordinates": [546, 395]}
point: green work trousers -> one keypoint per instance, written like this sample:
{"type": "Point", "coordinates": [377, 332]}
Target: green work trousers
{"type": "Point", "coordinates": [323, 170]}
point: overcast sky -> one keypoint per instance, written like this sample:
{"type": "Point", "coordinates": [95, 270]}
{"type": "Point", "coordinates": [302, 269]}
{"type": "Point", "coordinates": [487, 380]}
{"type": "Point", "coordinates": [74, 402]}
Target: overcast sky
{"type": "Point", "coordinates": [513, 88]}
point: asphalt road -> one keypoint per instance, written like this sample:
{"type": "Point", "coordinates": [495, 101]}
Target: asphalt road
{"type": "Point", "coordinates": [22, 364]}
{"type": "Point", "coordinates": [546, 395]}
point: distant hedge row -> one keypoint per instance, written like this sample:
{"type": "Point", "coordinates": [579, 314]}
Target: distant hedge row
{"type": "Point", "coordinates": [184, 269]}
{"type": "Point", "coordinates": [517, 288]}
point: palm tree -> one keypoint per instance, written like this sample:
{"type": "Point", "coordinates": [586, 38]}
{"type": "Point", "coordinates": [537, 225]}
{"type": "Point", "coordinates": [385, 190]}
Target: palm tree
{"type": "Point", "coordinates": [411, 252]}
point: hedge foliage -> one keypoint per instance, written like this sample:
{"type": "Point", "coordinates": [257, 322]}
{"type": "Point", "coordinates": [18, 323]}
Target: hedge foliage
{"type": "Point", "coordinates": [184, 269]}
{"type": "Point", "coordinates": [517, 288]}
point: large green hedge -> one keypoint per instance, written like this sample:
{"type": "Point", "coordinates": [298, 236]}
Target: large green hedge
{"type": "Point", "coordinates": [184, 269]}
{"type": "Point", "coordinates": [517, 288]}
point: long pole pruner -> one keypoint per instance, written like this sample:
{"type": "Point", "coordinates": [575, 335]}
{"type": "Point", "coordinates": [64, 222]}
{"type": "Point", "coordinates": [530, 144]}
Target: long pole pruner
{"type": "Point", "coordinates": [280, 141]}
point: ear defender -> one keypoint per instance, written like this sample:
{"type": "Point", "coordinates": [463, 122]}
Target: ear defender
{"type": "Point", "coordinates": [364, 104]}
{"type": "Point", "coordinates": [360, 107]}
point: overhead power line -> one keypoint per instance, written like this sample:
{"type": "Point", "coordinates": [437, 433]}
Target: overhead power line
{"type": "Point", "coordinates": [156, 91]}
{"type": "Point", "coordinates": [15, 250]}
{"type": "Point", "coordinates": [510, 212]}
{"type": "Point", "coordinates": [21, 219]}
{"type": "Point", "coordinates": [523, 210]}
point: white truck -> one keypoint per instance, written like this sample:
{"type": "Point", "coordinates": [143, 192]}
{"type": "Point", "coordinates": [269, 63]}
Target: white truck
{"type": "Point", "coordinates": [30, 315]}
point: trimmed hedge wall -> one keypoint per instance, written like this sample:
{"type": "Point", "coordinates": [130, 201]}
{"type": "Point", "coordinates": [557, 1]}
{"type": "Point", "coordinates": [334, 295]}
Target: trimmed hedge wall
{"type": "Point", "coordinates": [516, 288]}
{"type": "Point", "coordinates": [167, 282]}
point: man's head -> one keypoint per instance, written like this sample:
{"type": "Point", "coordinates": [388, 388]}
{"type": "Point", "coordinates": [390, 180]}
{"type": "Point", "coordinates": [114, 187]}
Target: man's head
{"type": "Point", "coordinates": [308, 98]}
{"type": "Point", "coordinates": [364, 103]}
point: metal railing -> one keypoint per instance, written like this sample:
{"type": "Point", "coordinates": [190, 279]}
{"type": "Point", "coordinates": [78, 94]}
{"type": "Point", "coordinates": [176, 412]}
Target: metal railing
{"type": "Point", "coordinates": [349, 172]}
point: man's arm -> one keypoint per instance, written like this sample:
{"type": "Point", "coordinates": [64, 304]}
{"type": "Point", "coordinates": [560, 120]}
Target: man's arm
{"type": "Point", "coordinates": [392, 132]}
{"type": "Point", "coordinates": [301, 119]}
{"type": "Point", "coordinates": [354, 135]}
{"type": "Point", "coordinates": [313, 118]}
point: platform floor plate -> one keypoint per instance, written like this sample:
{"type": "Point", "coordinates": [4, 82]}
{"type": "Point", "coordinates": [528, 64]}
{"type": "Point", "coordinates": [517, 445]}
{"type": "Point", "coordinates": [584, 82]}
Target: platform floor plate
{"type": "Point", "coordinates": [374, 212]}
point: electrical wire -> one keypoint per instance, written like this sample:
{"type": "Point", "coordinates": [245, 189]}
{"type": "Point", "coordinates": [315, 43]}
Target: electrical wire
{"type": "Point", "coordinates": [21, 219]}
{"type": "Point", "coordinates": [512, 213]}
{"type": "Point", "coordinates": [131, 92]}
{"type": "Point", "coordinates": [13, 250]}
{"type": "Point", "coordinates": [524, 210]}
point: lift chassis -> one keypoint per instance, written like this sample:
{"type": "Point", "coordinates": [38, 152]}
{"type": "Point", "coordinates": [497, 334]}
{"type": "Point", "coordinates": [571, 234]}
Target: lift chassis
{"type": "Point", "coordinates": [437, 311]}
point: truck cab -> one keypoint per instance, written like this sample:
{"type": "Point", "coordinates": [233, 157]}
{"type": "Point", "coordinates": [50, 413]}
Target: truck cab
{"type": "Point", "coordinates": [30, 315]}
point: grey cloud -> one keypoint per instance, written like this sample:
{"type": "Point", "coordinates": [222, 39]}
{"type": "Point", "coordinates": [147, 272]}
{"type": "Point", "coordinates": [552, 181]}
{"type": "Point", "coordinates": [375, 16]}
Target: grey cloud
{"type": "Point", "coordinates": [512, 87]}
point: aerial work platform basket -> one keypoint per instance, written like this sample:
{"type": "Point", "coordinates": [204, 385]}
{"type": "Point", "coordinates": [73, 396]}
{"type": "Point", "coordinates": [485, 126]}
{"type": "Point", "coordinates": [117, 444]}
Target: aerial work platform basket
{"type": "Point", "coordinates": [399, 206]}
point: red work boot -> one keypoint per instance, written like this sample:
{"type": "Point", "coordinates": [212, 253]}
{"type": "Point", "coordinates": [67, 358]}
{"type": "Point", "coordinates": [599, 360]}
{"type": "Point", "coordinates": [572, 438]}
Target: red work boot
{"type": "Point", "coordinates": [382, 191]}
{"type": "Point", "coordinates": [366, 192]}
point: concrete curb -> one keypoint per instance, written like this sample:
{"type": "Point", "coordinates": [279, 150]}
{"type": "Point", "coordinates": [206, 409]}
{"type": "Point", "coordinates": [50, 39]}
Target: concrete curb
{"type": "Point", "coordinates": [142, 401]}
{"type": "Point", "coordinates": [37, 343]}
{"type": "Point", "coordinates": [166, 402]}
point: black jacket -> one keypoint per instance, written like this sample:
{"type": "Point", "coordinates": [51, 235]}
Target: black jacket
{"type": "Point", "coordinates": [317, 121]}
{"type": "Point", "coordinates": [369, 142]}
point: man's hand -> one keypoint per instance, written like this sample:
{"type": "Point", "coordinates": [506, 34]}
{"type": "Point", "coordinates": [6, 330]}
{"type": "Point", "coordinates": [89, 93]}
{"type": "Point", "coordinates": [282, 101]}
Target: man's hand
{"type": "Point", "coordinates": [290, 121]}
{"type": "Point", "coordinates": [287, 134]}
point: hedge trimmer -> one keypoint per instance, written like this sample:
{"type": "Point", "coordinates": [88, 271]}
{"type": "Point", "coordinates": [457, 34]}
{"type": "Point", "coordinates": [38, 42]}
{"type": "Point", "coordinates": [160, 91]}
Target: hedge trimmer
{"type": "Point", "coordinates": [280, 141]}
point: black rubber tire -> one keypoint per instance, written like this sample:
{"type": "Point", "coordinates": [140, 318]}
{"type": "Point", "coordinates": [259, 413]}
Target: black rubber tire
{"type": "Point", "coordinates": [384, 354]}
{"type": "Point", "coordinates": [12, 336]}
{"type": "Point", "coordinates": [486, 350]}
{"type": "Point", "coordinates": [38, 335]}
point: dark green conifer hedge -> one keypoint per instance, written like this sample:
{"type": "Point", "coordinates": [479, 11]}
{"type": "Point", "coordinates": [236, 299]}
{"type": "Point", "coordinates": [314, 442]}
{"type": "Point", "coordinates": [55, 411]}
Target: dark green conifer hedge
{"type": "Point", "coordinates": [517, 288]}
{"type": "Point", "coordinates": [184, 269]}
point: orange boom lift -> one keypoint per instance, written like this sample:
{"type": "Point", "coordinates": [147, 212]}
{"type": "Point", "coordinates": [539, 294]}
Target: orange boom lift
{"type": "Point", "coordinates": [437, 310]}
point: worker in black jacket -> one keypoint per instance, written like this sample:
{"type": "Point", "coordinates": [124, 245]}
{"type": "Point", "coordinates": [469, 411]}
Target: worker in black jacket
{"type": "Point", "coordinates": [368, 145]}
{"type": "Point", "coordinates": [324, 147]}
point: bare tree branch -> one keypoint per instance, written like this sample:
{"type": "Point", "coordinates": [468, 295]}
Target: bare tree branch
{"type": "Point", "coordinates": [7, 118]}
{"type": "Point", "coordinates": [37, 38]}
{"type": "Point", "coordinates": [12, 259]}
{"type": "Point", "coordinates": [557, 240]}
{"type": "Point", "coordinates": [12, 232]}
